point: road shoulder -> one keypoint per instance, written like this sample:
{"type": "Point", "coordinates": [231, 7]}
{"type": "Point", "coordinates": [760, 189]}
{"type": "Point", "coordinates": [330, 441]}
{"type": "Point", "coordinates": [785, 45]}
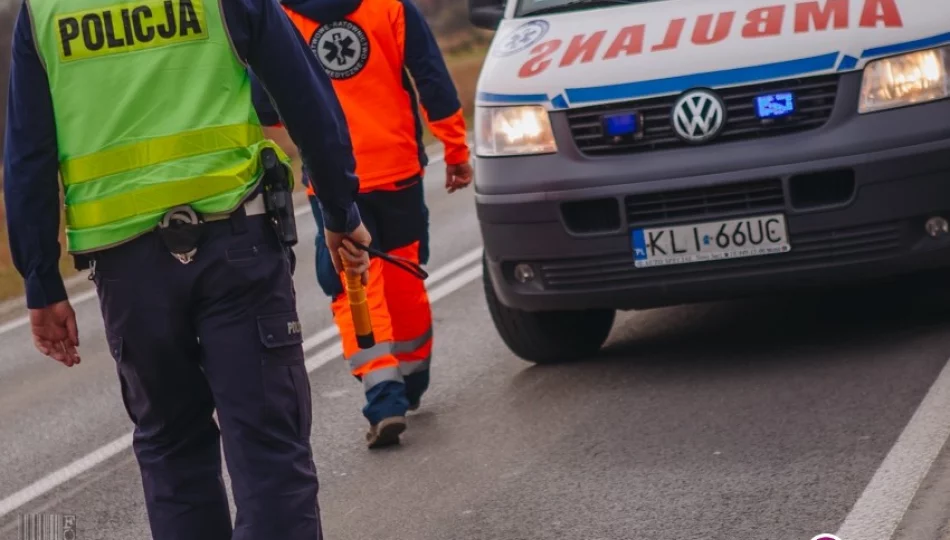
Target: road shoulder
{"type": "Point", "coordinates": [928, 515]}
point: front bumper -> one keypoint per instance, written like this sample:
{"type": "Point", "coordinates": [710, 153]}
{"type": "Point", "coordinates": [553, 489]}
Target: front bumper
{"type": "Point", "coordinates": [898, 163]}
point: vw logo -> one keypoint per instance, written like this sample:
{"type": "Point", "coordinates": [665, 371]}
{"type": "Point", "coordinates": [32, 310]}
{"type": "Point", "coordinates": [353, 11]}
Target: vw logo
{"type": "Point", "coordinates": [698, 116]}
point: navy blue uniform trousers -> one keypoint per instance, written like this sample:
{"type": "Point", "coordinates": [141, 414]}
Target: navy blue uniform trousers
{"type": "Point", "coordinates": [221, 333]}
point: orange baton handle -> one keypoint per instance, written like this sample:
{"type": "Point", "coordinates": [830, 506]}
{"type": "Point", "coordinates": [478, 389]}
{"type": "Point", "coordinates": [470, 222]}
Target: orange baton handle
{"type": "Point", "coordinates": [359, 308]}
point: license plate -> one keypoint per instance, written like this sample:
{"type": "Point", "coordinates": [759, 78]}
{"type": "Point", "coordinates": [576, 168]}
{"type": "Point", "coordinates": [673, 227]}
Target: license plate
{"type": "Point", "coordinates": [712, 241]}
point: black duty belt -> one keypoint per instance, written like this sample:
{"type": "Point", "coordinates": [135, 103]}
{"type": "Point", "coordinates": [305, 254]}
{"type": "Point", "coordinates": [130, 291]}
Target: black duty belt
{"type": "Point", "coordinates": [181, 228]}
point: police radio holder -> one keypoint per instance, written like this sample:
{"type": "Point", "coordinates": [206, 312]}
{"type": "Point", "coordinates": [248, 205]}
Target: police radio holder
{"type": "Point", "coordinates": [278, 199]}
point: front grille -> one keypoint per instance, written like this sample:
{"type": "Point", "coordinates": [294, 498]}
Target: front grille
{"type": "Point", "coordinates": [815, 98]}
{"type": "Point", "coordinates": [810, 250]}
{"type": "Point", "coordinates": [705, 203]}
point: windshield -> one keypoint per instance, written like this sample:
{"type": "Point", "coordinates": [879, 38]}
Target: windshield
{"type": "Point", "coordinates": [536, 7]}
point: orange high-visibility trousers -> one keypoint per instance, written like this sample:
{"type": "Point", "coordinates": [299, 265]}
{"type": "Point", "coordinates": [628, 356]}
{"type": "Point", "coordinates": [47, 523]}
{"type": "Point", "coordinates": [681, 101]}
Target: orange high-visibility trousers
{"type": "Point", "coordinates": [402, 323]}
{"type": "Point", "coordinates": [395, 371]}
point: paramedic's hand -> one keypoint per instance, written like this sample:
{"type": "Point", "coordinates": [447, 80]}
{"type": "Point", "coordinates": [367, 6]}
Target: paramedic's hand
{"type": "Point", "coordinates": [55, 333]}
{"type": "Point", "coordinates": [458, 177]}
{"type": "Point", "coordinates": [357, 260]}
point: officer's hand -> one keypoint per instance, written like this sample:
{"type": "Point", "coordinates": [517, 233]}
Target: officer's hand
{"type": "Point", "coordinates": [342, 249]}
{"type": "Point", "coordinates": [458, 177]}
{"type": "Point", "coordinates": [55, 332]}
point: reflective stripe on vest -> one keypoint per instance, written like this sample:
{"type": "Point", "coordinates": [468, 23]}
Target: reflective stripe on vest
{"type": "Point", "coordinates": [153, 110]}
{"type": "Point", "coordinates": [152, 152]}
{"type": "Point", "coordinates": [159, 197]}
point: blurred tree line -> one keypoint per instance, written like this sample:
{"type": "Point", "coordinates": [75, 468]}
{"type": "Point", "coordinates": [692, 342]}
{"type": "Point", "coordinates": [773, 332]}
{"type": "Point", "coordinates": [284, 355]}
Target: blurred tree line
{"type": "Point", "coordinates": [462, 44]}
{"type": "Point", "coordinates": [8, 12]}
{"type": "Point", "coordinates": [449, 21]}
{"type": "Point", "coordinates": [448, 18]}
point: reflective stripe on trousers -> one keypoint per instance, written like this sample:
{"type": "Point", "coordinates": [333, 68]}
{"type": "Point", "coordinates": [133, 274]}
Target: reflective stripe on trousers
{"type": "Point", "coordinates": [373, 378]}
{"type": "Point", "coordinates": [407, 352]}
{"type": "Point", "coordinates": [412, 345]}
{"type": "Point", "coordinates": [360, 363]}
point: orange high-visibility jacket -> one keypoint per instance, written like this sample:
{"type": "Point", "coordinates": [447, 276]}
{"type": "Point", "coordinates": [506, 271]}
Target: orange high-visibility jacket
{"type": "Point", "coordinates": [373, 51]}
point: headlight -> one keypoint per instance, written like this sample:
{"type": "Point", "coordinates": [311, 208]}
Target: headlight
{"type": "Point", "coordinates": [508, 131]}
{"type": "Point", "coordinates": [903, 80]}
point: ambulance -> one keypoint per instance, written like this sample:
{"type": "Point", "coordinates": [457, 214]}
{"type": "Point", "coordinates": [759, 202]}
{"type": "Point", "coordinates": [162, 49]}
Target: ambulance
{"type": "Point", "coordinates": [639, 154]}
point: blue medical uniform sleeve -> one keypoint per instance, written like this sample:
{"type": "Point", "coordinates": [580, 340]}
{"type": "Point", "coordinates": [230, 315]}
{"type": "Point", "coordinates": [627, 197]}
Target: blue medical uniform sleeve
{"type": "Point", "coordinates": [304, 100]}
{"type": "Point", "coordinates": [31, 173]}
{"type": "Point", "coordinates": [425, 62]}
{"type": "Point", "coordinates": [262, 103]}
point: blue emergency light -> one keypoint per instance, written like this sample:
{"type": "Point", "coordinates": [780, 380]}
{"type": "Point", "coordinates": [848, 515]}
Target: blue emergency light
{"type": "Point", "coordinates": [772, 106]}
{"type": "Point", "coordinates": [622, 124]}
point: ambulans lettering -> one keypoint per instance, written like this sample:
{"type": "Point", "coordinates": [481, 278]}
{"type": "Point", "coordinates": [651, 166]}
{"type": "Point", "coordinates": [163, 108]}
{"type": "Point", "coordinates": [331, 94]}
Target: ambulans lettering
{"type": "Point", "coordinates": [672, 38]}
{"type": "Point", "coordinates": [880, 13]}
{"type": "Point", "coordinates": [629, 41]}
{"type": "Point", "coordinates": [583, 48]}
{"type": "Point", "coordinates": [708, 29]}
{"type": "Point", "coordinates": [764, 22]}
{"type": "Point", "coordinates": [540, 62]}
{"type": "Point", "coordinates": [817, 16]}
{"type": "Point", "coordinates": [707, 32]}
{"type": "Point", "coordinates": [813, 16]}
{"type": "Point", "coordinates": [130, 27]}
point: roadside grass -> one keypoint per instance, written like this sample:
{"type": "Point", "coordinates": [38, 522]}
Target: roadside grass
{"type": "Point", "coordinates": [464, 63]}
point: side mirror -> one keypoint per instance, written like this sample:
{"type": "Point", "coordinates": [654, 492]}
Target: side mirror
{"type": "Point", "coordinates": [486, 14]}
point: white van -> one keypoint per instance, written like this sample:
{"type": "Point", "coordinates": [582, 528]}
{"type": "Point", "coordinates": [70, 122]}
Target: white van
{"type": "Point", "coordinates": [635, 154]}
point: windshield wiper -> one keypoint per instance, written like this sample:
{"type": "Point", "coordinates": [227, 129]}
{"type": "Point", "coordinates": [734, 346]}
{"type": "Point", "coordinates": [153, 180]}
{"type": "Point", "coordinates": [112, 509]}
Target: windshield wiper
{"type": "Point", "coordinates": [573, 4]}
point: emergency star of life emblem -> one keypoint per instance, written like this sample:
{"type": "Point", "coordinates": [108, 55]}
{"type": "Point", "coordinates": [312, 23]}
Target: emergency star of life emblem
{"type": "Point", "coordinates": [698, 116]}
{"type": "Point", "coordinates": [521, 38]}
{"type": "Point", "coordinates": [342, 48]}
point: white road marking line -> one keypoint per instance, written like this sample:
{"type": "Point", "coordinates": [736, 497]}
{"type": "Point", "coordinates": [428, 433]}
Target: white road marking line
{"type": "Point", "coordinates": [331, 352]}
{"type": "Point", "coordinates": [435, 277]}
{"type": "Point", "coordinates": [886, 498]}
{"type": "Point", "coordinates": [80, 466]}
{"type": "Point", "coordinates": [57, 478]}
{"type": "Point", "coordinates": [453, 266]}
{"type": "Point", "coordinates": [23, 321]}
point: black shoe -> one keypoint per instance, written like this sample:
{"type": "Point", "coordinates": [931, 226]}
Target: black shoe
{"type": "Point", "coordinates": [386, 433]}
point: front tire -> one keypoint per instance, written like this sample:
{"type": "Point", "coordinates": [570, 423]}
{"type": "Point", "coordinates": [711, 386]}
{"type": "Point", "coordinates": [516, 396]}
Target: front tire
{"type": "Point", "coordinates": [548, 337]}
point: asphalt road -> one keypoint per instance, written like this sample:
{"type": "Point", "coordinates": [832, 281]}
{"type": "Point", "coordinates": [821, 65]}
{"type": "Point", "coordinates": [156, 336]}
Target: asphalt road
{"type": "Point", "coordinates": [775, 418]}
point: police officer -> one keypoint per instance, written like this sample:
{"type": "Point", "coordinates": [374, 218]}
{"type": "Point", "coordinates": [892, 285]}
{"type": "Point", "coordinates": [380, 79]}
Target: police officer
{"type": "Point", "coordinates": [177, 205]}
{"type": "Point", "coordinates": [369, 48]}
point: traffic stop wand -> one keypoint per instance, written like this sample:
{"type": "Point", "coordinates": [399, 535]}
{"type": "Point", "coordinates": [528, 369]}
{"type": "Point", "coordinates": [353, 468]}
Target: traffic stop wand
{"type": "Point", "coordinates": [356, 293]}
{"type": "Point", "coordinates": [359, 308]}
